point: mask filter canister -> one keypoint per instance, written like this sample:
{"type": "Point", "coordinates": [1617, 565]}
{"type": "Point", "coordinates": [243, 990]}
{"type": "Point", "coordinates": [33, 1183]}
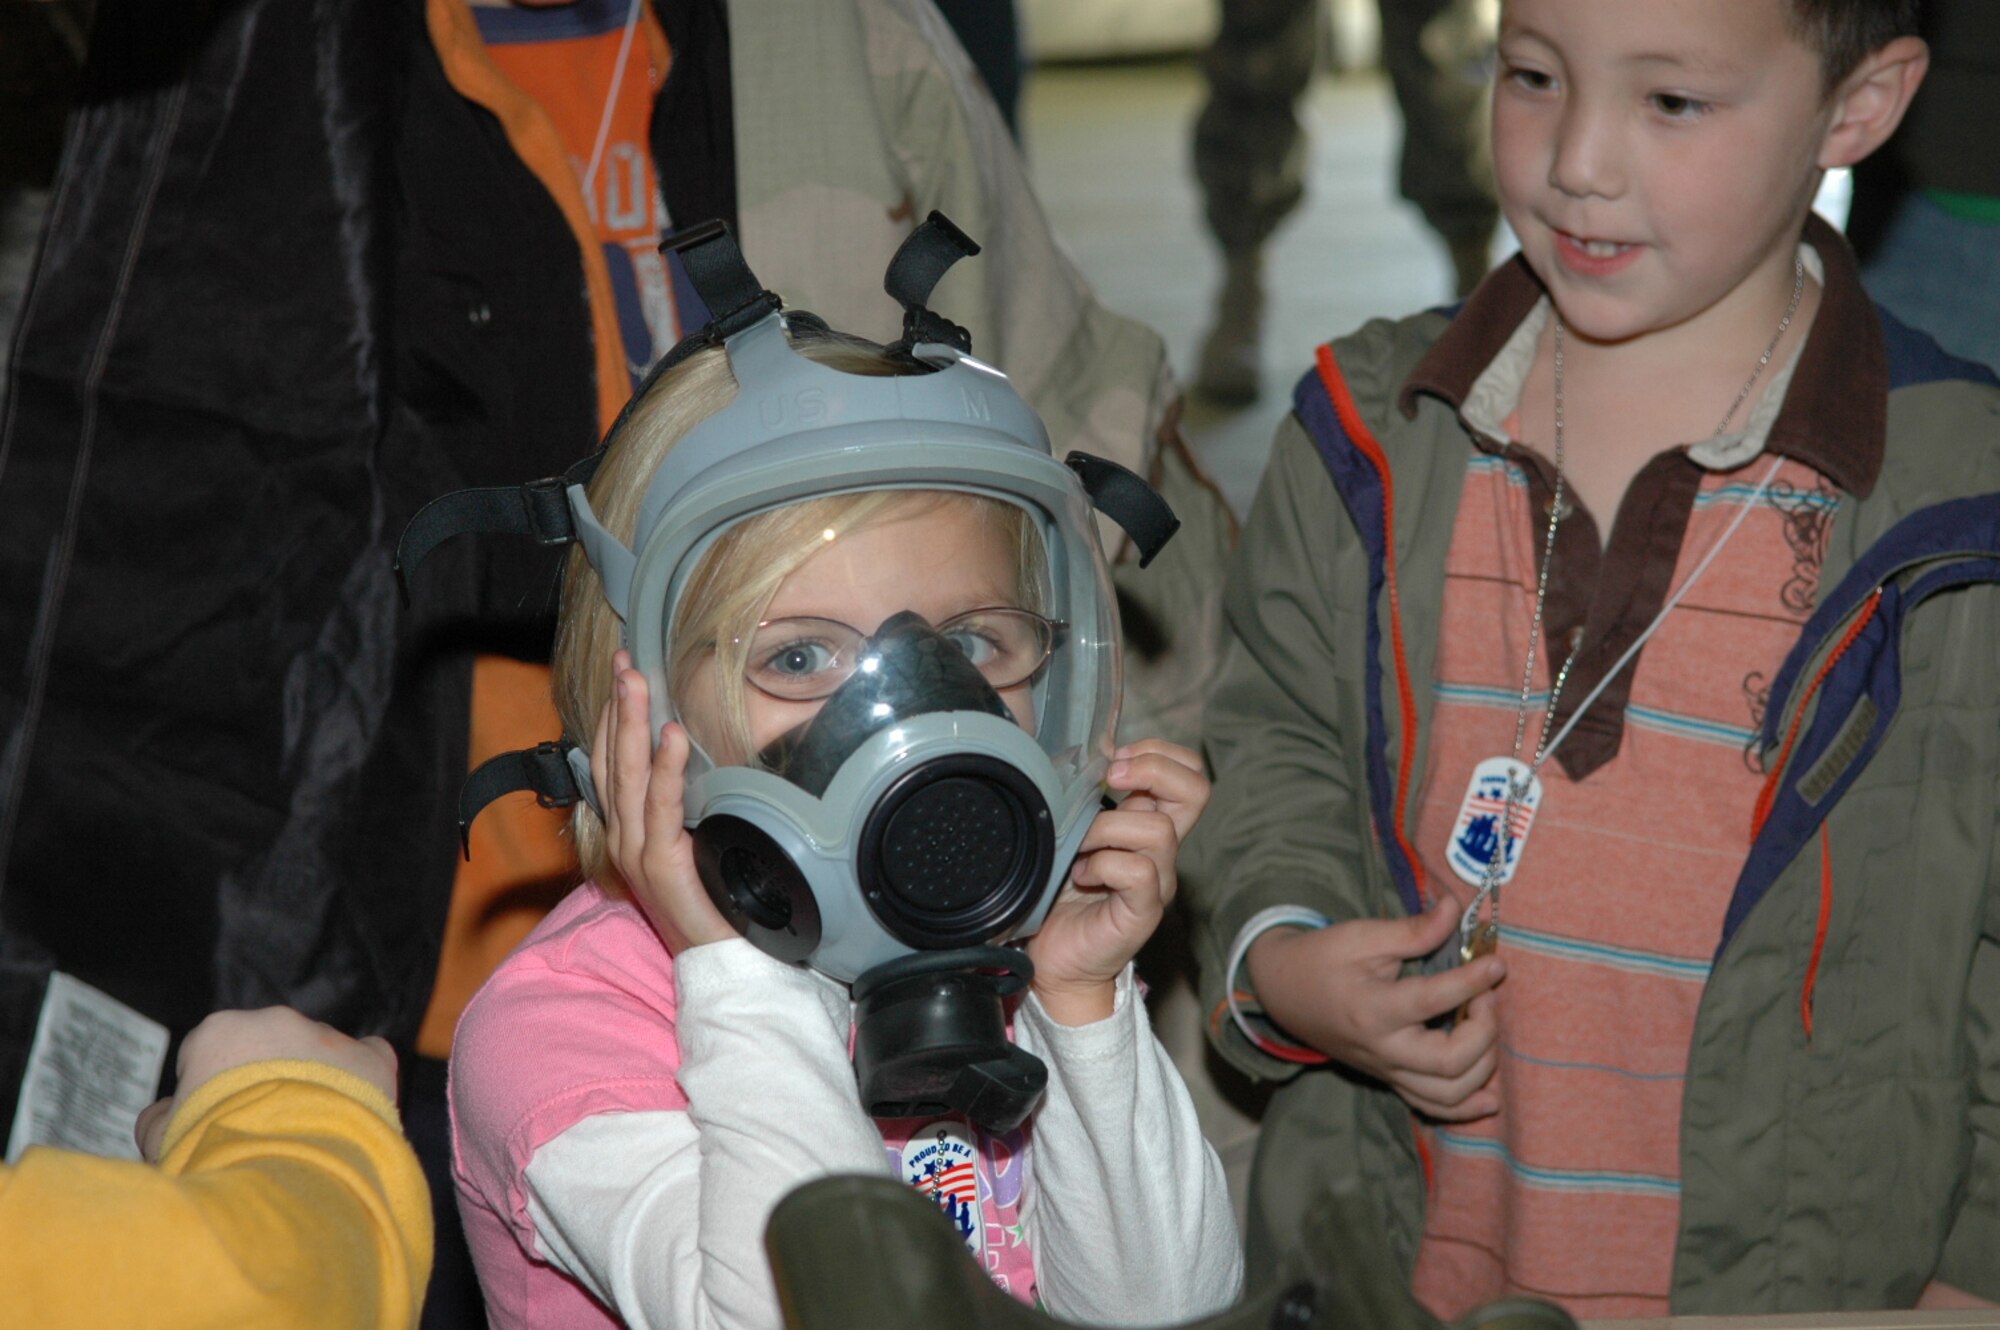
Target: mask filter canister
{"type": "Point", "coordinates": [931, 1038]}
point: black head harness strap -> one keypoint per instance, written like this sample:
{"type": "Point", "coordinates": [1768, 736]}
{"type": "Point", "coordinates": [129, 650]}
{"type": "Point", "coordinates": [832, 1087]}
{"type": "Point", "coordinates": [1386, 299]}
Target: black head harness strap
{"type": "Point", "coordinates": [920, 263]}
{"type": "Point", "coordinates": [1127, 500]}
{"type": "Point", "coordinates": [735, 299]}
{"type": "Point", "coordinates": [540, 508]}
{"type": "Point", "coordinates": [923, 258]}
{"type": "Point", "coordinates": [544, 770]}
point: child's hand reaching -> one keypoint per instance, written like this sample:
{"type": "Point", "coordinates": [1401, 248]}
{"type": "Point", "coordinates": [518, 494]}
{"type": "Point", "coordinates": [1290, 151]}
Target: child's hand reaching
{"type": "Point", "coordinates": [640, 790]}
{"type": "Point", "coordinates": [229, 1039]}
{"type": "Point", "coordinates": [1341, 990]}
{"type": "Point", "coordinates": [1122, 881]}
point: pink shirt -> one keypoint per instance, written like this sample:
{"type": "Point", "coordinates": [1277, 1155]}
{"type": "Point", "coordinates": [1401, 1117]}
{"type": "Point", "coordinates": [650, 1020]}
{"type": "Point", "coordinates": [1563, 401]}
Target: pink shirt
{"type": "Point", "coordinates": [580, 1021]}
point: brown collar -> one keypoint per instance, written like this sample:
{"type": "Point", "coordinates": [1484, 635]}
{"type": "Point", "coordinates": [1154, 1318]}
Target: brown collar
{"type": "Point", "coordinates": [1836, 413]}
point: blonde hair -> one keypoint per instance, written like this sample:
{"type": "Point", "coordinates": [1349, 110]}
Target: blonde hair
{"type": "Point", "coordinates": [736, 577]}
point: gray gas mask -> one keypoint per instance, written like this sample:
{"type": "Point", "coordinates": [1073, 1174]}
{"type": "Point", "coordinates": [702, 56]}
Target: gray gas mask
{"type": "Point", "coordinates": [954, 851]}
{"type": "Point", "coordinates": [931, 774]}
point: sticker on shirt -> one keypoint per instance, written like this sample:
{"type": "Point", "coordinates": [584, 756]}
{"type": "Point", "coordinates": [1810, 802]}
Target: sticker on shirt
{"type": "Point", "coordinates": [941, 1161]}
{"type": "Point", "coordinates": [1475, 836]}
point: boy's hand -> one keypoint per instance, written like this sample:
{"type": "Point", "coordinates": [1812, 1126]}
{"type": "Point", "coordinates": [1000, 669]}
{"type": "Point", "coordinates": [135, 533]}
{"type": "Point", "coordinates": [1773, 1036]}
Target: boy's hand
{"type": "Point", "coordinates": [1340, 990]}
{"type": "Point", "coordinates": [1122, 881]}
{"type": "Point", "coordinates": [640, 789]}
{"type": "Point", "coordinates": [230, 1039]}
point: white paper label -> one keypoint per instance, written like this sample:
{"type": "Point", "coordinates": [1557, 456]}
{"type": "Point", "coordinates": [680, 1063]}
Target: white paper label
{"type": "Point", "coordinates": [1475, 836]}
{"type": "Point", "coordinates": [94, 1065]}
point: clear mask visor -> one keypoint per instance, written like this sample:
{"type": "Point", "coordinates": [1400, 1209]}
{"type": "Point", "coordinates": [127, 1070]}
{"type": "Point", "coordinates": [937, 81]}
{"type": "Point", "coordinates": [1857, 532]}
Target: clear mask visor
{"type": "Point", "coordinates": [884, 605]}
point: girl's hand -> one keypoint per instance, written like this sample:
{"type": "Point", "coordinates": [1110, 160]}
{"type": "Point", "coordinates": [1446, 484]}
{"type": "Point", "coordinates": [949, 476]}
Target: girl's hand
{"type": "Point", "coordinates": [1122, 882]}
{"type": "Point", "coordinates": [640, 789]}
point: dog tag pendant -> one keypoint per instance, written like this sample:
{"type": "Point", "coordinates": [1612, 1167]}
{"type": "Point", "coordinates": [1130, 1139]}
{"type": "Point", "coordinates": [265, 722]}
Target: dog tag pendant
{"type": "Point", "coordinates": [1483, 941]}
{"type": "Point", "coordinates": [1475, 836]}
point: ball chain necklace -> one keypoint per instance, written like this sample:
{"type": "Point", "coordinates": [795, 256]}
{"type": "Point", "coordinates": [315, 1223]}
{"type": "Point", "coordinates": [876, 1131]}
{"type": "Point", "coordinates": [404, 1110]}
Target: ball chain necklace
{"type": "Point", "coordinates": [1504, 789]}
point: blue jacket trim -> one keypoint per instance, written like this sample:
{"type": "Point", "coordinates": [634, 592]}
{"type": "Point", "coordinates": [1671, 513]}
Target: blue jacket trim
{"type": "Point", "coordinates": [1871, 667]}
{"type": "Point", "coordinates": [1360, 487]}
{"type": "Point", "coordinates": [1955, 525]}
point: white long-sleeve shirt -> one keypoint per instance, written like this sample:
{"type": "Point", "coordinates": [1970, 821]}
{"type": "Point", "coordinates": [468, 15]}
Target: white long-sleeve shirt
{"type": "Point", "coordinates": [656, 1202]}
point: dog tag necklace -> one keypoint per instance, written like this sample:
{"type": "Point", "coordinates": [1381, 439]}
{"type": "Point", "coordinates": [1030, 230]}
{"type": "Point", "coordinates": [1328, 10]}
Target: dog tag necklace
{"type": "Point", "coordinates": [1505, 794]}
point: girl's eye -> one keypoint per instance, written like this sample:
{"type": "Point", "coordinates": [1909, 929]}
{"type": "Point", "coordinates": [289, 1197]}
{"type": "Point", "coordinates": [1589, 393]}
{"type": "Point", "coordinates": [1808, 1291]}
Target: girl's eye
{"type": "Point", "coordinates": [799, 660]}
{"type": "Point", "coordinates": [978, 647]}
{"type": "Point", "coordinates": [1676, 106]}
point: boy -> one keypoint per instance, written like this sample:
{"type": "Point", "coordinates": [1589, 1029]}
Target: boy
{"type": "Point", "coordinates": [1746, 1054]}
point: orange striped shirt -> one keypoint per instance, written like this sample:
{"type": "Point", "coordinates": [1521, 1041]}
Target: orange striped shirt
{"type": "Point", "coordinates": [1572, 1191]}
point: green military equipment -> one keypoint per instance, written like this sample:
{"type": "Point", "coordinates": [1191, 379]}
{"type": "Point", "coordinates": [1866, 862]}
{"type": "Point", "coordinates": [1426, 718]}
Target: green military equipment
{"type": "Point", "coordinates": [866, 1252]}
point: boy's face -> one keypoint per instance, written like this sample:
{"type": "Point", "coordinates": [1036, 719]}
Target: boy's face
{"type": "Point", "coordinates": [1656, 157]}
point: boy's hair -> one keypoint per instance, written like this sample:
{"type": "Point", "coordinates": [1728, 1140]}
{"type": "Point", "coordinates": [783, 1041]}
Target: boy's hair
{"type": "Point", "coordinates": [735, 578]}
{"type": "Point", "coordinates": [1846, 32]}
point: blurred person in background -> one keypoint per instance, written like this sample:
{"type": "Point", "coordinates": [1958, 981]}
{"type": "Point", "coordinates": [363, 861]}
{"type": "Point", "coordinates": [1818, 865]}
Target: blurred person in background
{"type": "Point", "coordinates": [1250, 153]}
{"type": "Point", "coordinates": [1926, 216]}
{"type": "Point", "coordinates": [990, 32]}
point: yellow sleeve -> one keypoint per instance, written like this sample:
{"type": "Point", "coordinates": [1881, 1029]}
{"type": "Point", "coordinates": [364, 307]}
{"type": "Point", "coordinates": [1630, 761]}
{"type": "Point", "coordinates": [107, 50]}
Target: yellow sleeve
{"type": "Point", "coordinates": [285, 1196]}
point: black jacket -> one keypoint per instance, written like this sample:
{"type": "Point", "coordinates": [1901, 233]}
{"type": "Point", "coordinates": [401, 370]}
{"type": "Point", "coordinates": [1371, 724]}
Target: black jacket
{"type": "Point", "coordinates": [292, 287]}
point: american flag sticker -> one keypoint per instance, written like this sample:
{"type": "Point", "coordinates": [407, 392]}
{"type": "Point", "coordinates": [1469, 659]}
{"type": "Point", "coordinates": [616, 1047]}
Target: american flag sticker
{"type": "Point", "coordinates": [940, 1162]}
{"type": "Point", "coordinates": [1475, 836]}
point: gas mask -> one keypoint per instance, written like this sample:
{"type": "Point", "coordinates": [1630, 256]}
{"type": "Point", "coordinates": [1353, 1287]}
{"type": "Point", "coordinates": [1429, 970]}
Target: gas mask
{"type": "Point", "coordinates": [912, 789]}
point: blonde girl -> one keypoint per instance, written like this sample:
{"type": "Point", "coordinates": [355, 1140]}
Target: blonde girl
{"type": "Point", "coordinates": [638, 1085]}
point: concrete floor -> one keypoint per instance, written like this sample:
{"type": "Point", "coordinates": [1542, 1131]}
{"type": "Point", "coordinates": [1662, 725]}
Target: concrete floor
{"type": "Point", "coordinates": [1108, 145]}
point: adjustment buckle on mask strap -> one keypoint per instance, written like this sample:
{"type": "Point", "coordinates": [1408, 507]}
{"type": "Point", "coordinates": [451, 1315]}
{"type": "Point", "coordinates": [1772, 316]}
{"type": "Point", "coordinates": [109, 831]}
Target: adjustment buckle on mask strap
{"type": "Point", "coordinates": [539, 509]}
{"type": "Point", "coordinates": [736, 300]}
{"type": "Point", "coordinates": [923, 258]}
{"type": "Point", "coordinates": [714, 263]}
{"type": "Point", "coordinates": [545, 770]}
{"type": "Point", "coordinates": [1127, 500]}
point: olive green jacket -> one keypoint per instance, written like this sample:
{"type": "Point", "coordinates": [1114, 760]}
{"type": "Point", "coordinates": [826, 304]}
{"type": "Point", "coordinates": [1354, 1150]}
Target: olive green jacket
{"type": "Point", "coordinates": [1837, 1172]}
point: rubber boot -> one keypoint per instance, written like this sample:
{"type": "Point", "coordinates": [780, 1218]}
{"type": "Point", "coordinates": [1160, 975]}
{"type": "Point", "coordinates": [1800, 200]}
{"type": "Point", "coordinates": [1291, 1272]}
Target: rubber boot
{"type": "Point", "coordinates": [1229, 369]}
